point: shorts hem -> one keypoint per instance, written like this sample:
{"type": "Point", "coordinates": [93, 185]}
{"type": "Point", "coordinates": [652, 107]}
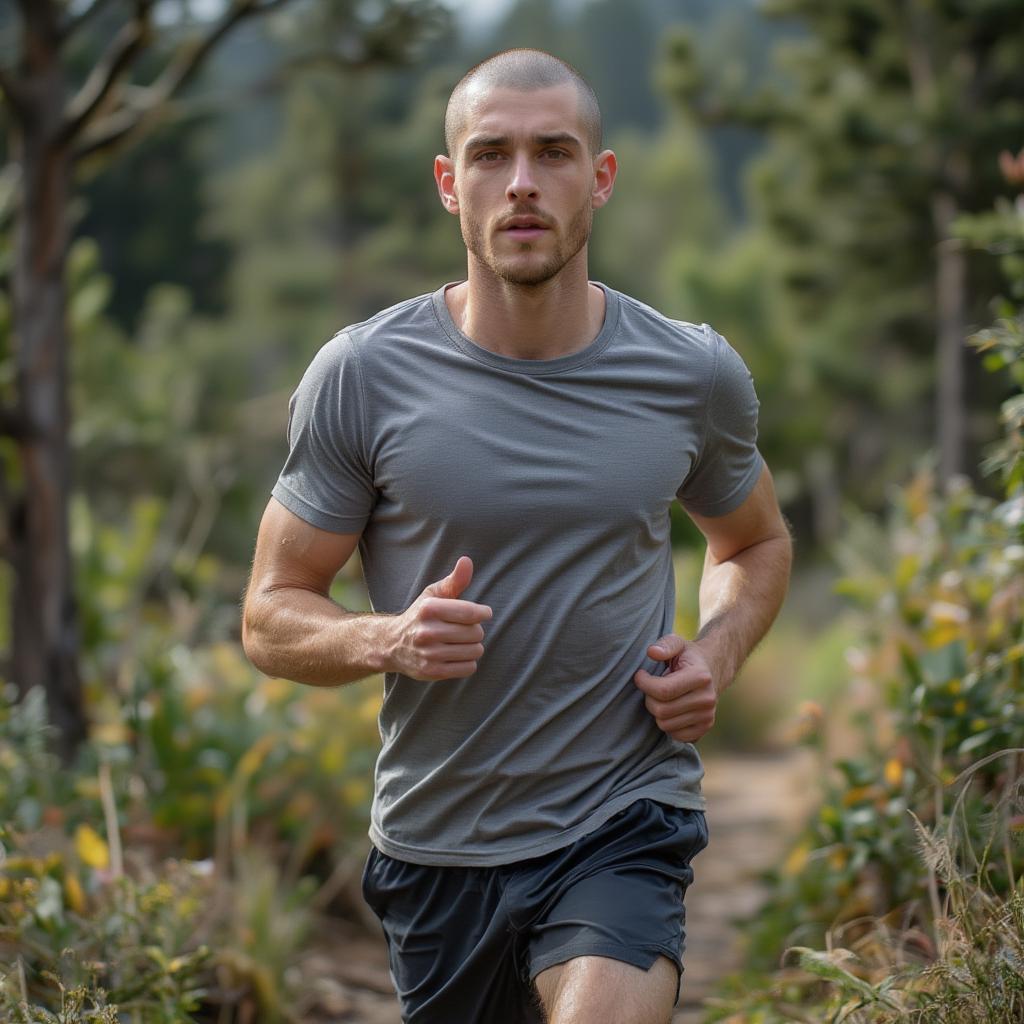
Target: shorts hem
{"type": "Point", "coordinates": [639, 956]}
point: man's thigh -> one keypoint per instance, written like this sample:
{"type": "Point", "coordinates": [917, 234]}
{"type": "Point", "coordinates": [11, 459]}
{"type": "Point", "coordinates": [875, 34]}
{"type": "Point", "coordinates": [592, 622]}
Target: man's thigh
{"type": "Point", "coordinates": [617, 896]}
{"type": "Point", "coordinates": [598, 990]}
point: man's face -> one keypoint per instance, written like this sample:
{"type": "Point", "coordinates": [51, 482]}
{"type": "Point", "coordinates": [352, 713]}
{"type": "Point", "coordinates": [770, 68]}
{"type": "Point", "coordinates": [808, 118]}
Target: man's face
{"type": "Point", "coordinates": [524, 182]}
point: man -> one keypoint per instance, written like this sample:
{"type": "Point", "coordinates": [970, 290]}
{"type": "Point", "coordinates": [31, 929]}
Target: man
{"type": "Point", "coordinates": [504, 452]}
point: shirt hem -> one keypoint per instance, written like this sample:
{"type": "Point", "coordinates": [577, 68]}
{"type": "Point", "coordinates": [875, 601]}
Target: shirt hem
{"type": "Point", "coordinates": [315, 516]}
{"type": "Point", "coordinates": [734, 500]}
{"type": "Point", "coordinates": [470, 859]}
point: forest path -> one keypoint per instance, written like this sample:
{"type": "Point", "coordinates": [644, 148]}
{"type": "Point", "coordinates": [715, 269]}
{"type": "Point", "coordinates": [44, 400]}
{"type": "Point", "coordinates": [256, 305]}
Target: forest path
{"type": "Point", "coordinates": [756, 804]}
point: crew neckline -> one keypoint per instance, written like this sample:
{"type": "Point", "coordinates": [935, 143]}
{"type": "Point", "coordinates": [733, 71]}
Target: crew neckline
{"type": "Point", "coordinates": [533, 367]}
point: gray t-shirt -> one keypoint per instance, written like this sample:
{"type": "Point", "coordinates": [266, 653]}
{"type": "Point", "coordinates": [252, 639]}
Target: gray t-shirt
{"type": "Point", "coordinates": [556, 477]}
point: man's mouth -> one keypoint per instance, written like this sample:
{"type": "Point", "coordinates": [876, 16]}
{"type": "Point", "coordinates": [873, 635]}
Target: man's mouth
{"type": "Point", "coordinates": [524, 227]}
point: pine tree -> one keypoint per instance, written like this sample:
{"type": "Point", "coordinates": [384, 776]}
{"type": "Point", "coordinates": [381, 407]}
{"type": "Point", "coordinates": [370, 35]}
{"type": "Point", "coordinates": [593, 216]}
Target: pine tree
{"type": "Point", "coordinates": [887, 127]}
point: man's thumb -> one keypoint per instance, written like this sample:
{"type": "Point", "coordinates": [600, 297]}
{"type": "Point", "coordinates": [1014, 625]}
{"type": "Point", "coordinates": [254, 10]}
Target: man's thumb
{"type": "Point", "coordinates": [667, 647]}
{"type": "Point", "coordinates": [455, 582]}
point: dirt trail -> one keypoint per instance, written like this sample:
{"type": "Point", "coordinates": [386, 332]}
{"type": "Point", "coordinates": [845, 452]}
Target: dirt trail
{"type": "Point", "coordinates": [755, 803]}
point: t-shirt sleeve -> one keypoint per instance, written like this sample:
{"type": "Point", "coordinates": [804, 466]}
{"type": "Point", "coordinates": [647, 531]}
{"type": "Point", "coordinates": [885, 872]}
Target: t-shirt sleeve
{"type": "Point", "coordinates": [728, 463]}
{"type": "Point", "coordinates": [326, 479]}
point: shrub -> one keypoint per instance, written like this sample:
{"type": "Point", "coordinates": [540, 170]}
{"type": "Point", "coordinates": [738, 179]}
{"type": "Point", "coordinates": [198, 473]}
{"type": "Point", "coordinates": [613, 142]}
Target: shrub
{"type": "Point", "coordinates": [911, 873]}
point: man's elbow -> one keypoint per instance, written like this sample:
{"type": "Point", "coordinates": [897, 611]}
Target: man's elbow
{"type": "Point", "coordinates": [254, 634]}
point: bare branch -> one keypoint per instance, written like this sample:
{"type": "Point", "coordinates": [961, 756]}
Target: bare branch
{"type": "Point", "coordinates": [190, 58]}
{"type": "Point", "coordinates": [132, 115]}
{"type": "Point", "coordinates": [120, 54]}
{"type": "Point", "coordinates": [75, 23]}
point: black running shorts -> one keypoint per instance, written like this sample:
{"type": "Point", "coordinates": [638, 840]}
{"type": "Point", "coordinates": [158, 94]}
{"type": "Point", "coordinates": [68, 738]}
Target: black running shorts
{"type": "Point", "coordinates": [466, 943]}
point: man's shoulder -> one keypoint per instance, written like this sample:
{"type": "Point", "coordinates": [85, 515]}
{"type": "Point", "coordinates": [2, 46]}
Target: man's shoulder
{"type": "Point", "coordinates": [390, 321]}
{"type": "Point", "coordinates": [695, 340]}
{"type": "Point", "coordinates": [371, 340]}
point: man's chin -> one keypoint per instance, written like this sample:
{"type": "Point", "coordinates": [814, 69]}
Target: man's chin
{"type": "Point", "coordinates": [525, 273]}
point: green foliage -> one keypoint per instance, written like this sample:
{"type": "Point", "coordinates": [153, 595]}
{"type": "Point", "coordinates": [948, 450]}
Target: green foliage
{"type": "Point", "coordinates": [77, 943]}
{"type": "Point", "coordinates": [939, 778]}
{"type": "Point", "coordinates": [882, 120]}
{"type": "Point", "coordinates": [122, 949]}
{"type": "Point", "coordinates": [1002, 344]}
{"type": "Point", "coordinates": [200, 743]}
{"type": "Point", "coordinates": [267, 783]}
{"type": "Point", "coordinates": [969, 970]}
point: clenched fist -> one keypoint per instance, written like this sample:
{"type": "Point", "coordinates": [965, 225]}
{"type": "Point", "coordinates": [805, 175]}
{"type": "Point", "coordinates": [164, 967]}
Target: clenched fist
{"type": "Point", "coordinates": [439, 636]}
{"type": "Point", "coordinates": [684, 700]}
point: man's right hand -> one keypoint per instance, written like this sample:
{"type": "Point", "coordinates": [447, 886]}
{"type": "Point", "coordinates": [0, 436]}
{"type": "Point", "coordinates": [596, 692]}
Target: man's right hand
{"type": "Point", "coordinates": [439, 636]}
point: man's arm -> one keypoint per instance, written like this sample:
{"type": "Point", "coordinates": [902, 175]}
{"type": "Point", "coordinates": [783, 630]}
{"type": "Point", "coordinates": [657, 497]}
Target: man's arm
{"type": "Point", "coordinates": [292, 629]}
{"type": "Point", "coordinates": [745, 578]}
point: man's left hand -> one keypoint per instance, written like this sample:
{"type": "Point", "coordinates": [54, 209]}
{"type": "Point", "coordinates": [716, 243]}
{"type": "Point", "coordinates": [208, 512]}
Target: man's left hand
{"type": "Point", "coordinates": [683, 701]}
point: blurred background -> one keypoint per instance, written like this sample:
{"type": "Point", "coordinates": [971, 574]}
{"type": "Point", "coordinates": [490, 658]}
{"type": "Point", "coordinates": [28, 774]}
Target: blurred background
{"type": "Point", "coordinates": [195, 195]}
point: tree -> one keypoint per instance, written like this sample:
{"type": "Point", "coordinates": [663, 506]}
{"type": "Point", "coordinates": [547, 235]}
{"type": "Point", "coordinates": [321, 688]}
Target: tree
{"type": "Point", "coordinates": [887, 128]}
{"type": "Point", "coordinates": [61, 113]}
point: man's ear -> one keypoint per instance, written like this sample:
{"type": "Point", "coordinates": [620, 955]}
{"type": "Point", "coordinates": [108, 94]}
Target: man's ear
{"type": "Point", "coordinates": [605, 169]}
{"type": "Point", "coordinates": [444, 175]}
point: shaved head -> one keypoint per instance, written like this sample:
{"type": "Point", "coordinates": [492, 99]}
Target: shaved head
{"type": "Point", "coordinates": [522, 71]}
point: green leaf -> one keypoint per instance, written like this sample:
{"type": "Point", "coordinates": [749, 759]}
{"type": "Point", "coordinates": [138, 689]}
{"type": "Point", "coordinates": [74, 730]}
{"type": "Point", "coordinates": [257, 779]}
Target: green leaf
{"type": "Point", "coordinates": [979, 739]}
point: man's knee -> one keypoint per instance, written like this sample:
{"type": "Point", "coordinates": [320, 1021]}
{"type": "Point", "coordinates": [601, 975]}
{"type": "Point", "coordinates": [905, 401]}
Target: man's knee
{"type": "Point", "coordinates": [599, 990]}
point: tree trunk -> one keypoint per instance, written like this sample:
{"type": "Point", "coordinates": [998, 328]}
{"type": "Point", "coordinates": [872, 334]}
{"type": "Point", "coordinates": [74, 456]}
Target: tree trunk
{"type": "Point", "coordinates": [950, 267]}
{"type": "Point", "coordinates": [950, 306]}
{"type": "Point", "coordinates": [44, 620]}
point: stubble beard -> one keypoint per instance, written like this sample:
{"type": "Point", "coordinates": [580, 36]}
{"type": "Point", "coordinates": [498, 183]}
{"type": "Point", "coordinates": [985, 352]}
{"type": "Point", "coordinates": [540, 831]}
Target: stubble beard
{"type": "Point", "coordinates": [577, 234]}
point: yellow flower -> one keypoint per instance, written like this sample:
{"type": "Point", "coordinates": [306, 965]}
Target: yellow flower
{"type": "Point", "coordinates": [73, 894]}
{"type": "Point", "coordinates": [858, 794]}
{"type": "Point", "coordinates": [947, 623]}
{"type": "Point", "coordinates": [110, 733]}
{"type": "Point", "coordinates": [797, 859]}
{"type": "Point", "coordinates": [960, 706]}
{"type": "Point", "coordinates": [837, 859]}
{"type": "Point", "coordinates": [91, 847]}
{"type": "Point", "coordinates": [893, 771]}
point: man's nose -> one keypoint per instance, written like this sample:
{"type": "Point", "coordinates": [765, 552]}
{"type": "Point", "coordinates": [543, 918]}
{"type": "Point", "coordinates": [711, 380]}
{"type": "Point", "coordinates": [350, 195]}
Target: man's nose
{"type": "Point", "coordinates": [522, 184]}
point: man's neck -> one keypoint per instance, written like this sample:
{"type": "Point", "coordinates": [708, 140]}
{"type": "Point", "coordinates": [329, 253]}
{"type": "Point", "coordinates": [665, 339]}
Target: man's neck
{"type": "Point", "coordinates": [556, 318]}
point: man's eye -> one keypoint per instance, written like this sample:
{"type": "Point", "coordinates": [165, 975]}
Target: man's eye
{"type": "Point", "coordinates": [488, 157]}
{"type": "Point", "coordinates": [555, 154]}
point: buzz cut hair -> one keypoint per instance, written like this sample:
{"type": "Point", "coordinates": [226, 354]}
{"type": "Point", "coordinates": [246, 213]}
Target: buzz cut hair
{"type": "Point", "coordinates": [522, 70]}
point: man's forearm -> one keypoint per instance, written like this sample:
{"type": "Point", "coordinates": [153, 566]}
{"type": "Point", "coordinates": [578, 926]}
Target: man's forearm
{"type": "Point", "coordinates": [739, 599]}
{"type": "Point", "coordinates": [297, 634]}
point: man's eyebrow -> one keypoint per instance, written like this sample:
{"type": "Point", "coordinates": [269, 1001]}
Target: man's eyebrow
{"type": "Point", "coordinates": [477, 141]}
{"type": "Point", "coordinates": [543, 139]}
{"type": "Point", "coordinates": [557, 138]}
